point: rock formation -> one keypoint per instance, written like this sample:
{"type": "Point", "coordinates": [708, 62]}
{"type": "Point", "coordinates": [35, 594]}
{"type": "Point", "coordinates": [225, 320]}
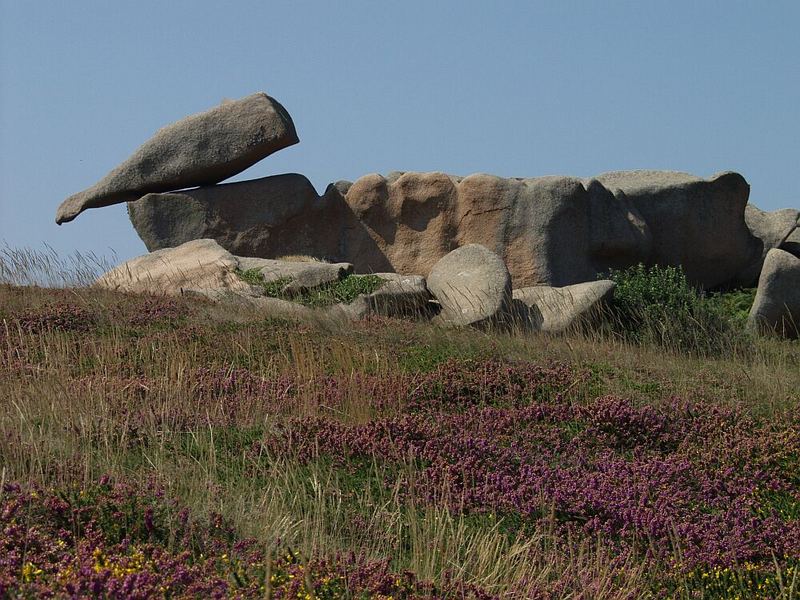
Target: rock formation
{"type": "Point", "coordinates": [202, 149]}
{"type": "Point", "coordinates": [474, 238]}
{"type": "Point", "coordinates": [774, 229]}
{"type": "Point", "coordinates": [200, 266]}
{"type": "Point", "coordinates": [776, 306]}
{"type": "Point", "coordinates": [203, 268]}
{"type": "Point", "coordinates": [695, 223]}
{"type": "Point", "coordinates": [548, 230]}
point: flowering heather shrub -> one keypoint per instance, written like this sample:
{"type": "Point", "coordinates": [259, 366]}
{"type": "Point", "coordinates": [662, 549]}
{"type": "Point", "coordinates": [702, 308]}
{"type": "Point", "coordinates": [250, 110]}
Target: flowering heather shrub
{"type": "Point", "coordinates": [231, 396]}
{"type": "Point", "coordinates": [61, 316]}
{"type": "Point", "coordinates": [707, 484]}
{"type": "Point", "coordinates": [155, 310]}
{"type": "Point", "coordinates": [121, 541]}
{"type": "Point", "coordinates": [378, 431]}
{"type": "Point", "coordinates": [458, 384]}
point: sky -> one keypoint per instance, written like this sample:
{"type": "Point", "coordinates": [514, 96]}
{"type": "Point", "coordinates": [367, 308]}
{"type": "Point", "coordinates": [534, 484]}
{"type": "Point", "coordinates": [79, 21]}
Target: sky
{"type": "Point", "coordinates": [518, 89]}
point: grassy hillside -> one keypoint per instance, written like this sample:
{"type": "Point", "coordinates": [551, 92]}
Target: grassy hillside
{"type": "Point", "coordinates": [178, 448]}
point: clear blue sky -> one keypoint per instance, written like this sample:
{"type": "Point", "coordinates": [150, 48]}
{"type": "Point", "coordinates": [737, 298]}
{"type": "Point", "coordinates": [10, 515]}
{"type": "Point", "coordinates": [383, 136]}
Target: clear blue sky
{"type": "Point", "coordinates": [511, 88]}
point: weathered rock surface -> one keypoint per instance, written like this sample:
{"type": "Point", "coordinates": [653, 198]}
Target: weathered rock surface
{"type": "Point", "coordinates": [772, 230]}
{"type": "Point", "coordinates": [301, 276]}
{"type": "Point", "coordinates": [773, 227]}
{"type": "Point", "coordinates": [473, 287]}
{"type": "Point", "coordinates": [399, 296]}
{"type": "Point", "coordinates": [792, 242]}
{"type": "Point", "coordinates": [777, 303]}
{"type": "Point", "coordinates": [548, 230]}
{"type": "Point", "coordinates": [565, 308]}
{"type": "Point", "coordinates": [268, 218]}
{"type": "Point", "coordinates": [199, 266]}
{"type": "Point", "coordinates": [695, 223]}
{"type": "Point", "coordinates": [201, 149]}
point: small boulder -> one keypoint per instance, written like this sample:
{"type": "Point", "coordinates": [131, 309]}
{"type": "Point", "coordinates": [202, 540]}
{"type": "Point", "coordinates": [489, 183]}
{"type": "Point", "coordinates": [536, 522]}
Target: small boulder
{"type": "Point", "coordinates": [772, 230]}
{"type": "Point", "coordinates": [200, 267]}
{"type": "Point", "coordinates": [565, 308]}
{"type": "Point", "coordinates": [399, 296]}
{"type": "Point", "coordinates": [301, 276]}
{"type": "Point", "coordinates": [776, 306]}
{"type": "Point", "coordinates": [201, 149]}
{"type": "Point", "coordinates": [473, 287]}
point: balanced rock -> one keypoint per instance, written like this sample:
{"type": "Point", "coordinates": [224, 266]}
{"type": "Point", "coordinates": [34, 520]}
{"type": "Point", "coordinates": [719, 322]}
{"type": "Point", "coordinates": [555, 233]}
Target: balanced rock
{"type": "Point", "coordinates": [777, 303]}
{"type": "Point", "coordinates": [199, 267]}
{"type": "Point", "coordinates": [472, 286]}
{"type": "Point", "coordinates": [201, 149]}
{"type": "Point", "coordinates": [695, 223]}
{"type": "Point", "coordinates": [566, 308]}
{"type": "Point", "coordinates": [772, 230]}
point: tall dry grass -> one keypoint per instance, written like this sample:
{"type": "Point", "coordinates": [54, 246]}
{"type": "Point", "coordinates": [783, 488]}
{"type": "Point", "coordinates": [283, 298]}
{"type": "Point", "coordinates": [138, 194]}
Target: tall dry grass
{"type": "Point", "coordinates": [123, 399]}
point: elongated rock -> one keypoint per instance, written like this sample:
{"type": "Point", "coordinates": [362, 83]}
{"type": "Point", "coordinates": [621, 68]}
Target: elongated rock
{"type": "Point", "coordinates": [201, 149]}
{"type": "Point", "coordinates": [200, 266]}
{"type": "Point", "coordinates": [565, 308]}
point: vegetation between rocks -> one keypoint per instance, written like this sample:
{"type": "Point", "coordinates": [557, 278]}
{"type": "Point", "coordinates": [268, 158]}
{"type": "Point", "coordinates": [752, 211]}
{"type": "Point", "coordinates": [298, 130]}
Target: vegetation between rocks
{"type": "Point", "coordinates": [342, 291]}
{"type": "Point", "coordinates": [657, 305]}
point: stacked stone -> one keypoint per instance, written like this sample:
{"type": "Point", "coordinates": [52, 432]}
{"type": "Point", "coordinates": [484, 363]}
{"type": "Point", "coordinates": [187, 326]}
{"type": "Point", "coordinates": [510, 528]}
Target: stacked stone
{"type": "Point", "coordinates": [546, 232]}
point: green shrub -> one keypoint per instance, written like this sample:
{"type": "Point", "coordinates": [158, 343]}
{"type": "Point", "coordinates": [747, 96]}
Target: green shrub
{"type": "Point", "coordinates": [343, 291]}
{"type": "Point", "coordinates": [657, 305]}
{"type": "Point", "coordinates": [735, 304]}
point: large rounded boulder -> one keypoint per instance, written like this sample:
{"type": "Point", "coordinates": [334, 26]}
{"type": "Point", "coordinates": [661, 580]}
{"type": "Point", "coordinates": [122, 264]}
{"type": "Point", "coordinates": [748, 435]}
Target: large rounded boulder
{"type": "Point", "coordinates": [472, 286]}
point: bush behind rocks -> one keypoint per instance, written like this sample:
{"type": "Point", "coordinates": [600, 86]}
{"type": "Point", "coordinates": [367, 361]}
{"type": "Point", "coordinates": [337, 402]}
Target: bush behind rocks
{"type": "Point", "coordinates": [657, 305]}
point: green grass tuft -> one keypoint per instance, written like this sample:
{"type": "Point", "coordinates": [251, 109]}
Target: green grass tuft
{"type": "Point", "coordinates": [343, 291]}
